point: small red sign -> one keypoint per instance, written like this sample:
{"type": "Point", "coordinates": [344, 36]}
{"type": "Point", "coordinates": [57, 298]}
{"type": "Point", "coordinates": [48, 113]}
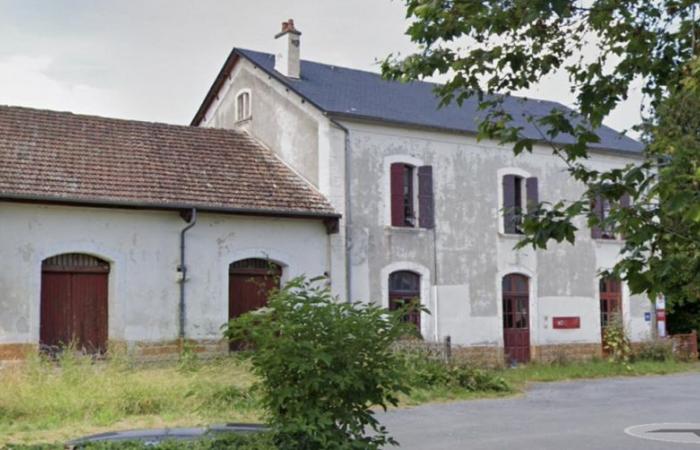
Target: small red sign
{"type": "Point", "coordinates": [565, 323]}
{"type": "Point", "coordinates": [660, 315]}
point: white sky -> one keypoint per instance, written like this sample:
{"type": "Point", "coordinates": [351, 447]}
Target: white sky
{"type": "Point", "coordinates": [155, 59]}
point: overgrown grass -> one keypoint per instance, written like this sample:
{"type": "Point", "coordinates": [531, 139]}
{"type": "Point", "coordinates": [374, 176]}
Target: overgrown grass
{"type": "Point", "coordinates": [44, 401]}
{"type": "Point", "coordinates": [520, 376]}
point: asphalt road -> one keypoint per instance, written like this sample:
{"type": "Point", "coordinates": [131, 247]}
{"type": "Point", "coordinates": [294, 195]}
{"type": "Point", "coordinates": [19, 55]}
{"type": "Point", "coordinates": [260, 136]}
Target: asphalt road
{"type": "Point", "coordinates": [573, 415]}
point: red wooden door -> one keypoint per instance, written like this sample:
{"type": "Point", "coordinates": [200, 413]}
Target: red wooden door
{"type": "Point", "coordinates": [74, 303]}
{"type": "Point", "coordinates": [610, 301]}
{"type": "Point", "coordinates": [516, 319]}
{"type": "Point", "coordinates": [250, 282]}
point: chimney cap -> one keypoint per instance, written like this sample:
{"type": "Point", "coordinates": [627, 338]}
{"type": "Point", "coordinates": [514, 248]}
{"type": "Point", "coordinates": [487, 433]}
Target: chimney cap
{"type": "Point", "coordinates": [288, 27]}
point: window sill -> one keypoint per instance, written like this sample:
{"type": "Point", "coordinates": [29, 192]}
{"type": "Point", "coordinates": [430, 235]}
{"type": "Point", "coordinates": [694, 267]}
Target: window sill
{"type": "Point", "coordinates": [609, 240]}
{"type": "Point", "coordinates": [244, 121]}
{"type": "Point", "coordinates": [405, 229]}
{"type": "Point", "coordinates": [512, 236]}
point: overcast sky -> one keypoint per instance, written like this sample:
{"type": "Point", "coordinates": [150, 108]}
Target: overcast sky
{"type": "Point", "coordinates": [155, 59]}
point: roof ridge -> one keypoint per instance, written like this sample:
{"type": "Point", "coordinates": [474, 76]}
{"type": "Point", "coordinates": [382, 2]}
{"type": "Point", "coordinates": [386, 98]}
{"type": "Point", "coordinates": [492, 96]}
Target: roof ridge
{"type": "Point", "coordinates": [30, 109]}
{"type": "Point", "coordinates": [377, 74]}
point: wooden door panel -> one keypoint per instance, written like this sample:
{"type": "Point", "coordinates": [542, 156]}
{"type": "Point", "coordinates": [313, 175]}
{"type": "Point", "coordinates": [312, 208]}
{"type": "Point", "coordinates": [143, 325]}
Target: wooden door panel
{"type": "Point", "coordinates": [56, 309]}
{"type": "Point", "coordinates": [248, 292]}
{"type": "Point", "coordinates": [90, 307]}
{"type": "Point", "coordinates": [74, 310]}
{"type": "Point", "coordinates": [516, 319]}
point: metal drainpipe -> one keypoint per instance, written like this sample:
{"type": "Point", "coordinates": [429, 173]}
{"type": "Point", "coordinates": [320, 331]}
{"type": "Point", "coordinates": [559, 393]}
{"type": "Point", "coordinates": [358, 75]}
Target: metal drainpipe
{"type": "Point", "coordinates": [182, 268]}
{"type": "Point", "coordinates": [348, 213]}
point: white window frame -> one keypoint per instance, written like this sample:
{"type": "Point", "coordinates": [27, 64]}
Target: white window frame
{"type": "Point", "coordinates": [499, 188]}
{"type": "Point", "coordinates": [245, 114]}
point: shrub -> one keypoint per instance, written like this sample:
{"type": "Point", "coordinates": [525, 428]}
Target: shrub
{"type": "Point", "coordinates": [429, 373]}
{"type": "Point", "coordinates": [616, 342]}
{"type": "Point", "coordinates": [655, 350]}
{"type": "Point", "coordinates": [322, 366]}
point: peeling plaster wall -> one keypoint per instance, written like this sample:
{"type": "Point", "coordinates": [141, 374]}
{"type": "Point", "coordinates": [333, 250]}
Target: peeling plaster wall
{"type": "Point", "coordinates": [466, 254]}
{"type": "Point", "coordinates": [279, 119]}
{"type": "Point", "coordinates": [143, 250]}
{"type": "Point", "coordinates": [305, 139]}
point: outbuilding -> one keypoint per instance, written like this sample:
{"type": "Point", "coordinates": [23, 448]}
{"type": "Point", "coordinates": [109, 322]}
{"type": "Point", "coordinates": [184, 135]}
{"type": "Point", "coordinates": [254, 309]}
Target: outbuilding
{"type": "Point", "coordinates": [143, 235]}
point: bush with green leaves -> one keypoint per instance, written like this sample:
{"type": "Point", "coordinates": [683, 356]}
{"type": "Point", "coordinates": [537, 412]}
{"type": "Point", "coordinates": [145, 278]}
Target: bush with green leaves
{"type": "Point", "coordinates": [659, 350]}
{"type": "Point", "coordinates": [323, 365]}
{"type": "Point", "coordinates": [616, 342]}
{"type": "Point", "coordinates": [429, 373]}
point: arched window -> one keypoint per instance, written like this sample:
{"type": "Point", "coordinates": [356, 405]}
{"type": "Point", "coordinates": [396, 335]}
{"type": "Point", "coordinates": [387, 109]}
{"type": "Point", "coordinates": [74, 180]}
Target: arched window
{"type": "Point", "coordinates": [516, 318]}
{"type": "Point", "coordinates": [243, 110]}
{"type": "Point", "coordinates": [404, 290]}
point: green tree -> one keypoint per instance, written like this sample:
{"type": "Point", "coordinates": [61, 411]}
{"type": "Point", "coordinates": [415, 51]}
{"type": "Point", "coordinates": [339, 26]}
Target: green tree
{"type": "Point", "coordinates": [493, 48]}
{"type": "Point", "coordinates": [323, 365]}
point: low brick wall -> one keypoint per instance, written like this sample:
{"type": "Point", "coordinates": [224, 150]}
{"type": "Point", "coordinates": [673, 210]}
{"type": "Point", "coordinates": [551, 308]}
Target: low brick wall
{"type": "Point", "coordinates": [140, 351]}
{"type": "Point", "coordinates": [168, 350]}
{"type": "Point", "coordinates": [493, 356]}
{"type": "Point", "coordinates": [566, 352]}
{"type": "Point", "coordinates": [480, 356]}
{"type": "Point", "coordinates": [16, 352]}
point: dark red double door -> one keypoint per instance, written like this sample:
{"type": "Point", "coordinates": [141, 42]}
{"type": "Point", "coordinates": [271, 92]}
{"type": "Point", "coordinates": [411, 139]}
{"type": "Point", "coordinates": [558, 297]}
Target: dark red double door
{"type": "Point", "coordinates": [516, 319]}
{"type": "Point", "coordinates": [610, 304]}
{"type": "Point", "coordinates": [74, 303]}
{"type": "Point", "coordinates": [249, 286]}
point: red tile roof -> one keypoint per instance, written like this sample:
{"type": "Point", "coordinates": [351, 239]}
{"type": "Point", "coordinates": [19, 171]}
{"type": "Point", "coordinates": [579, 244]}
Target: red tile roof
{"type": "Point", "coordinates": [64, 157]}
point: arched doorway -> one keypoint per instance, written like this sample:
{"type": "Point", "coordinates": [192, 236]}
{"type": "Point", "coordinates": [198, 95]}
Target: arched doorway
{"type": "Point", "coordinates": [516, 318]}
{"type": "Point", "coordinates": [250, 282]}
{"type": "Point", "coordinates": [610, 291]}
{"type": "Point", "coordinates": [74, 303]}
{"type": "Point", "coordinates": [404, 290]}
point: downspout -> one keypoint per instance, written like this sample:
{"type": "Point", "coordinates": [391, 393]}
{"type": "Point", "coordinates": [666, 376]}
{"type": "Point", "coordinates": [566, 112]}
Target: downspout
{"type": "Point", "coordinates": [182, 268]}
{"type": "Point", "coordinates": [348, 213]}
{"type": "Point", "coordinates": [435, 283]}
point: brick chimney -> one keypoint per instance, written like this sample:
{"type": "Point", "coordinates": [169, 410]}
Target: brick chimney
{"type": "Point", "coordinates": [287, 61]}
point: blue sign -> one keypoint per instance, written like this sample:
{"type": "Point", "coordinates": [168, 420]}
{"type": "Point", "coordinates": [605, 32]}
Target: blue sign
{"type": "Point", "coordinates": [647, 317]}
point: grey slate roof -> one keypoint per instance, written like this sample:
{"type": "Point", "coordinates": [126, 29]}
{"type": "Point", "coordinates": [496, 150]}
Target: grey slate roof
{"type": "Point", "coordinates": [365, 95]}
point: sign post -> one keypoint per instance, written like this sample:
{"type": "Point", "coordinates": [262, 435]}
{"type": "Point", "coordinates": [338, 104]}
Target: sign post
{"type": "Point", "coordinates": [661, 315]}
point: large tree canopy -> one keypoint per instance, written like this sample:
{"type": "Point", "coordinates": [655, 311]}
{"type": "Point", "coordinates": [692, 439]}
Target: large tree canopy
{"type": "Point", "coordinates": [493, 48]}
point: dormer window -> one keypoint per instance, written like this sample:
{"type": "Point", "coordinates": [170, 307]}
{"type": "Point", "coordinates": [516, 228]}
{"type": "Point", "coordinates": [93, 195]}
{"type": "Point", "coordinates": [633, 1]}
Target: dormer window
{"type": "Point", "coordinates": [243, 111]}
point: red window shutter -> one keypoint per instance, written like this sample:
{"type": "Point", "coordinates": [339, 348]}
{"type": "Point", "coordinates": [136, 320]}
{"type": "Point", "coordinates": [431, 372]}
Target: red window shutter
{"type": "Point", "coordinates": [532, 193]}
{"type": "Point", "coordinates": [597, 231]}
{"type": "Point", "coordinates": [426, 202]}
{"type": "Point", "coordinates": [397, 207]}
{"type": "Point", "coordinates": [509, 213]}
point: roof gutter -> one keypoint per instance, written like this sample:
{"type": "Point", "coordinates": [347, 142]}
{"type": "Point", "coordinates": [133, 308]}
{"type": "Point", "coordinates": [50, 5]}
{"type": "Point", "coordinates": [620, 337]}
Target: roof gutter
{"type": "Point", "coordinates": [436, 128]}
{"type": "Point", "coordinates": [127, 204]}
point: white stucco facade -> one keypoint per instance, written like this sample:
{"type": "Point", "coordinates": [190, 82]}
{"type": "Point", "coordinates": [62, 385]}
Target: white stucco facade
{"type": "Point", "coordinates": [463, 259]}
{"type": "Point", "coordinates": [143, 249]}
